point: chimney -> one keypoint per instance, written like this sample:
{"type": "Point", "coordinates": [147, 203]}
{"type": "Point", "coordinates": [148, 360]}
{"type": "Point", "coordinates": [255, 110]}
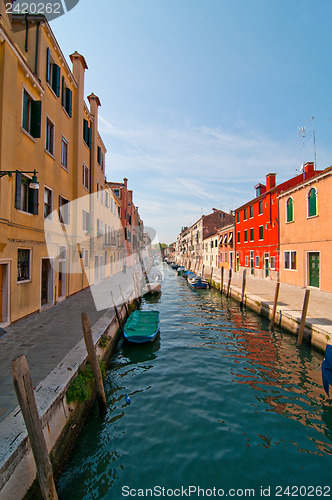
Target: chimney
{"type": "Point", "coordinates": [309, 167]}
{"type": "Point", "coordinates": [125, 181]}
{"type": "Point", "coordinates": [79, 66]}
{"type": "Point", "coordinates": [270, 181]}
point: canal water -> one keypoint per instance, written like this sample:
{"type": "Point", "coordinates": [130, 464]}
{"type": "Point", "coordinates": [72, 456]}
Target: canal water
{"type": "Point", "coordinates": [217, 403]}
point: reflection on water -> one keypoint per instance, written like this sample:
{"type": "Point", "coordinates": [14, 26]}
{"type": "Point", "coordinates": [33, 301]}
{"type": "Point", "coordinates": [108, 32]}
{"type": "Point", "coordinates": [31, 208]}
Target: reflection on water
{"type": "Point", "coordinates": [217, 401]}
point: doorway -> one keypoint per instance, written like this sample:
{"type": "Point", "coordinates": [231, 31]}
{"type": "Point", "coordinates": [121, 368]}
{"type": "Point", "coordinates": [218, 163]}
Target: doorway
{"type": "Point", "coordinates": [313, 258]}
{"type": "Point", "coordinates": [4, 293]}
{"type": "Point", "coordinates": [46, 282]}
{"type": "Point", "coordinates": [267, 265]}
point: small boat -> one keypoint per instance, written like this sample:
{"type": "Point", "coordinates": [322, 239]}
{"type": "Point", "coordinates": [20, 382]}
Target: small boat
{"type": "Point", "coordinates": [198, 282]}
{"type": "Point", "coordinates": [185, 274]}
{"type": "Point", "coordinates": [142, 326]}
{"type": "Point", "coordinates": [175, 266]}
{"type": "Point", "coordinates": [152, 287]}
{"type": "Point", "coordinates": [181, 270]}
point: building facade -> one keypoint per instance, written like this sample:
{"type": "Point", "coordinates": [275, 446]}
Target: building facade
{"type": "Point", "coordinates": [227, 252]}
{"type": "Point", "coordinates": [306, 233]}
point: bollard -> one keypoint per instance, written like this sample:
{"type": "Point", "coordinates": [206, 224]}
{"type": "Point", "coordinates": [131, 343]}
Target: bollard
{"type": "Point", "coordinates": [229, 282]}
{"type": "Point", "coordinates": [123, 300]}
{"type": "Point", "coordinates": [303, 317]}
{"type": "Point", "coordinates": [275, 302]}
{"type": "Point", "coordinates": [24, 391]}
{"type": "Point", "coordinates": [221, 279]}
{"type": "Point", "coordinates": [244, 281]}
{"type": "Point", "coordinates": [117, 314]}
{"type": "Point", "coordinates": [92, 355]}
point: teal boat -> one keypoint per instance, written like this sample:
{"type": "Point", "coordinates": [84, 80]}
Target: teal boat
{"type": "Point", "coordinates": [142, 326]}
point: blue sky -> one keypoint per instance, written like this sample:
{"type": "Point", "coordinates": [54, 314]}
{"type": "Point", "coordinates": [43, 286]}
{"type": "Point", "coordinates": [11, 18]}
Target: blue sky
{"type": "Point", "coordinates": [202, 98]}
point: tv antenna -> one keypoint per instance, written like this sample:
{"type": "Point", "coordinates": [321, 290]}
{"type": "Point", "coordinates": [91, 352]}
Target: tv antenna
{"type": "Point", "coordinates": [302, 132]}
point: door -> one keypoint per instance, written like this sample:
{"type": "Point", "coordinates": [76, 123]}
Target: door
{"type": "Point", "coordinates": [237, 262]}
{"type": "Point", "coordinates": [314, 269]}
{"type": "Point", "coordinates": [44, 282]}
{"type": "Point", "coordinates": [252, 263]}
{"type": "Point", "coordinates": [231, 260]}
{"type": "Point", "coordinates": [62, 278]}
{"type": "Point", "coordinates": [1, 292]}
{"type": "Point", "coordinates": [267, 265]}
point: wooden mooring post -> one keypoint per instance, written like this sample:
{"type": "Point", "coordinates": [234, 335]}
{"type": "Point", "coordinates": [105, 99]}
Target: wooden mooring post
{"type": "Point", "coordinates": [211, 276]}
{"type": "Point", "coordinates": [24, 391]}
{"type": "Point", "coordinates": [144, 272]}
{"type": "Point", "coordinates": [221, 279]}
{"type": "Point", "coordinates": [93, 359]}
{"type": "Point", "coordinates": [275, 302]}
{"type": "Point", "coordinates": [203, 271]}
{"type": "Point", "coordinates": [244, 282]}
{"type": "Point", "coordinates": [229, 282]}
{"type": "Point", "coordinates": [117, 313]}
{"type": "Point", "coordinates": [124, 302]}
{"type": "Point", "coordinates": [303, 317]}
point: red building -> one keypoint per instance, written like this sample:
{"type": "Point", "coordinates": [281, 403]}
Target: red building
{"type": "Point", "coordinates": [257, 226]}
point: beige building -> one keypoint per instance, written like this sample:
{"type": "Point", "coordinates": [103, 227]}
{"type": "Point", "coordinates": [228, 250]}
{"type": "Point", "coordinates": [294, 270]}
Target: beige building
{"type": "Point", "coordinates": [305, 214]}
{"type": "Point", "coordinates": [49, 131]}
{"type": "Point", "coordinates": [227, 257]}
{"type": "Point", "coordinates": [210, 252]}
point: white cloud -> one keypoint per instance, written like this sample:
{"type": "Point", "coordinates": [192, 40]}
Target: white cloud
{"type": "Point", "coordinates": [177, 173]}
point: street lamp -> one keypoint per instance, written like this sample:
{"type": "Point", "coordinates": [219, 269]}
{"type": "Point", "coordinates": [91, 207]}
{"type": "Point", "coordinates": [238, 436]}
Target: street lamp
{"type": "Point", "coordinates": [34, 182]}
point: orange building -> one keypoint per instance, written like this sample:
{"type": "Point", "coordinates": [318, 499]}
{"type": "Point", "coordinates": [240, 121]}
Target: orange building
{"type": "Point", "coordinates": [305, 214]}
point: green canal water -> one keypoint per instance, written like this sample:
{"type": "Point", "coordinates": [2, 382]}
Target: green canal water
{"type": "Point", "coordinates": [216, 402]}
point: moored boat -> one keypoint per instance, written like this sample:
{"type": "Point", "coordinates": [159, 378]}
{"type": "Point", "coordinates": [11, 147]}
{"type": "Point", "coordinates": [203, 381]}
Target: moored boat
{"type": "Point", "coordinates": [142, 326]}
{"type": "Point", "coordinates": [152, 287]}
{"type": "Point", "coordinates": [198, 282]}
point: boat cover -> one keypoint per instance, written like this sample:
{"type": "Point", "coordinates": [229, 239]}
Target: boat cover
{"type": "Point", "coordinates": [327, 369]}
{"type": "Point", "coordinates": [142, 323]}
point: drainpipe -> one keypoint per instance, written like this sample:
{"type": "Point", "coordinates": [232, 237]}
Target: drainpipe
{"type": "Point", "coordinates": [37, 47]}
{"type": "Point", "coordinates": [26, 32]}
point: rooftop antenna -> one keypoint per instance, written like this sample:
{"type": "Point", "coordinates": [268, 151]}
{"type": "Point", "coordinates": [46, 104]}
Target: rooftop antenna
{"type": "Point", "coordinates": [313, 133]}
{"type": "Point", "coordinates": [302, 132]}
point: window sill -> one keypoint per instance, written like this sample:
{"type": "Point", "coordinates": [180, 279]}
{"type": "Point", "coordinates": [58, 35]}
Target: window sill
{"type": "Point", "coordinates": [64, 168]}
{"type": "Point", "coordinates": [49, 154]}
{"type": "Point", "coordinates": [24, 212]}
{"type": "Point", "coordinates": [28, 134]}
{"type": "Point", "coordinates": [66, 112]}
{"type": "Point", "coordinates": [312, 216]}
{"type": "Point", "coordinates": [24, 281]}
{"type": "Point", "coordinates": [289, 222]}
{"type": "Point", "coordinates": [51, 89]}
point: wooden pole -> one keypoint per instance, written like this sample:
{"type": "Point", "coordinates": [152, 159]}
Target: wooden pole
{"type": "Point", "coordinates": [275, 302]}
{"type": "Point", "coordinates": [244, 281]}
{"type": "Point", "coordinates": [92, 355]}
{"type": "Point", "coordinates": [24, 391]}
{"type": "Point", "coordinates": [144, 272]}
{"type": "Point", "coordinates": [203, 271]}
{"type": "Point", "coordinates": [117, 313]}
{"type": "Point", "coordinates": [189, 264]}
{"type": "Point", "coordinates": [229, 282]}
{"type": "Point", "coordinates": [221, 278]}
{"type": "Point", "coordinates": [124, 302]}
{"type": "Point", "coordinates": [211, 276]}
{"type": "Point", "coordinates": [303, 317]}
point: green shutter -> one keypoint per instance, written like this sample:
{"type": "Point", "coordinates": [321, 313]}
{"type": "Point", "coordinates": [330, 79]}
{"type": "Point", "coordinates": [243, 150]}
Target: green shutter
{"type": "Point", "coordinates": [85, 131]}
{"type": "Point", "coordinates": [312, 205]}
{"type": "Point", "coordinates": [18, 203]}
{"type": "Point", "coordinates": [63, 93]}
{"type": "Point", "coordinates": [35, 118]}
{"type": "Point", "coordinates": [56, 79]}
{"type": "Point", "coordinates": [25, 124]}
{"type": "Point", "coordinates": [48, 57]}
{"type": "Point", "coordinates": [33, 201]}
{"type": "Point", "coordinates": [89, 137]}
{"type": "Point", "coordinates": [289, 210]}
{"type": "Point", "coordinates": [69, 101]}
{"type": "Point", "coordinates": [99, 155]}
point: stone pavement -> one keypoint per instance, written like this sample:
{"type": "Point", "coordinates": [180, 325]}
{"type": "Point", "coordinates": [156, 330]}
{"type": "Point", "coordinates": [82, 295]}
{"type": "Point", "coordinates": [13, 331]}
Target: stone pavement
{"type": "Point", "coordinates": [290, 299]}
{"type": "Point", "coordinates": [46, 337]}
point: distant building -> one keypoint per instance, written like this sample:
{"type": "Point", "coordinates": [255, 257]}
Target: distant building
{"type": "Point", "coordinates": [226, 246]}
{"type": "Point", "coordinates": [210, 251]}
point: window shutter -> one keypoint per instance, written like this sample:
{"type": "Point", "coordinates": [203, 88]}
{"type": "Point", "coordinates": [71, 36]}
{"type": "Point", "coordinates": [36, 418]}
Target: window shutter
{"type": "Point", "coordinates": [69, 101]}
{"type": "Point", "coordinates": [99, 155]}
{"type": "Point", "coordinates": [63, 93]}
{"type": "Point", "coordinates": [56, 79]}
{"type": "Point", "coordinates": [89, 137]}
{"type": "Point", "coordinates": [18, 203]}
{"type": "Point", "coordinates": [35, 118]}
{"type": "Point", "coordinates": [85, 131]}
{"type": "Point", "coordinates": [48, 56]}
{"type": "Point", "coordinates": [25, 111]}
{"type": "Point", "coordinates": [33, 201]}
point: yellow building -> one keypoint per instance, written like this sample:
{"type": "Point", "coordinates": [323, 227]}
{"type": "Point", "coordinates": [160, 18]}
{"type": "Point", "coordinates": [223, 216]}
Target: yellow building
{"type": "Point", "coordinates": [46, 127]}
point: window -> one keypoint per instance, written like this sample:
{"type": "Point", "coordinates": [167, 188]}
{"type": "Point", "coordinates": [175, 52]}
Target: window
{"type": "Point", "coordinates": [290, 210]}
{"type": "Point", "coordinates": [97, 190]}
{"type": "Point", "coordinates": [220, 257]}
{"type": "Point", "coordinates": [245, 214]}
{"type": "Point", "coordinates": [238, 216]}
{"type": "Point", "coordinates": [87, 133]}
{"type": "Point", "coordinates": [260, 207]}
{"type": "Point", "coordinates": [26, 199]}
{"type": "Point", "coordinates": [49, 137]}
{"type": "Point", "coordinates": [117, 192]}
{"type": "Point", "coordinates": [85, 176]}
{"type": "Point", "coordinates": [252, 234]}
{"type": "Point", "coordinates": [31, 119]}
{"type": "Point", "coordinates": [238, 237]}
{"type": "Point", "coordinates": [66, 98]}
{"type": "Point", "coordinates": [312, 202]}
{"type": "Point", "coordinates": [100, 157]}
{"type": "Point", "coordinates": [251, 211]}
{"type": "Point", "coordinates": [64, 153]}
{"type": "Point", "coordinates": [85, 220]}
{"type": "Point", "coordinates": [257, 261]}
{"type": "Point", "coordinates": [225, 257]}
{"type": "Point", "coordinates": [245, 235]}
{"type": "Point", "coordinates": [261, 228]}
{"type": "Point", "coordinates": [99, 228]}
{"type": "Point", "coordinates": [48, 202]}
{"type": "Point", "coordinates": [215, 243]}
{"type": "Point", "coordinates": [63, 210]}
{"type": "Point", "coordinates": [246, 260]}
{"type": "Point", "coordinates": [85, 257]}
{"type": "Point", "coordinates": [52, 73]}
{"type": "Point", "coordinates": [23, 264]}
{"type": "Point", "coordinates": [107, 199]}
{"type": "Point", "coordinates": [101, 194]}
{"type": "Point", "coordinates": [112, 204]}
{"type": "Point", "coordinates": [273, 263]}
{"type": "Point", "coordinates": [290, 260]}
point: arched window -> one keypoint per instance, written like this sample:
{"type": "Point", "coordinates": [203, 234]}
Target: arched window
{"type": "Point", "coordinates": [290, 210]}
{"type": "Point", "coordinates": [312, 202]}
